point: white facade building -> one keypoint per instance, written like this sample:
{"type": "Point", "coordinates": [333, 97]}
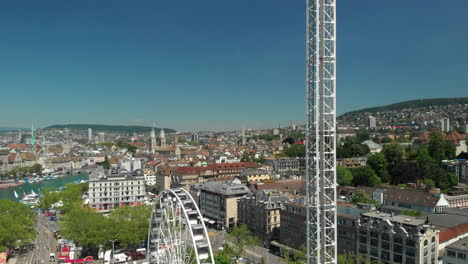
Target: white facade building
{"type": "Point", "coordinates": [116, 189]}
{"type": "Point", "coordinates": [150, 180]}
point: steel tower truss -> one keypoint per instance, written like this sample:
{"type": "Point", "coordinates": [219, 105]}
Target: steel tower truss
{"type": "Point", "coordinates": [321, 130]}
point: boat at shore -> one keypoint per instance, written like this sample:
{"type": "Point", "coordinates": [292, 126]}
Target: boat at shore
{"type": "Point", "coordinates": [8, 184]}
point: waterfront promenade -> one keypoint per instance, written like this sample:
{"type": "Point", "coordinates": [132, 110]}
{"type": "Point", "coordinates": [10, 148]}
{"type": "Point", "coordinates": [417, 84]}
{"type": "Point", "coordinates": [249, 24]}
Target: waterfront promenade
{"type": "Point", "coordinates": [37, 187]}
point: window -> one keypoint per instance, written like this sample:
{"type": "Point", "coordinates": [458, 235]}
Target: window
{"type": "Point", "coordinates": [385, 237]}
{"type": "Point", "coordinates": [363, 239]}
{"type": "Point", "coordinates": [433, 240]}
{"type": "Point", "coordinates": [385, 245]}
{"type": "Point", "coordinates": [461, 255]}
{"type": "Point", "coordinates": [397, 258]}
{"type": "Point", "coordinates": [451, 253]}
{"type": "Point", "coordinates": [397, 240]}
{"type": "Point", "coordinates": [426, 242]}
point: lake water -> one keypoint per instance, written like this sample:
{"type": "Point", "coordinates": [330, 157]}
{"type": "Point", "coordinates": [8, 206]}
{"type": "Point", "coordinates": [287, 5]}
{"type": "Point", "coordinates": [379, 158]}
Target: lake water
{"type": "Point", "coordinates": [8, 193]}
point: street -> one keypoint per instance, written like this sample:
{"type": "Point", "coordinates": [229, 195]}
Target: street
{"type": "Point", "coordinates": [254, 254]}
{"type": "Point", "coordinates": [43, 245]}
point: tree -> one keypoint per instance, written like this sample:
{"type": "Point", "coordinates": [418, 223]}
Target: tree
{"type": "Point", "coordinates": [88, 228]}
{"type": "Point", "coordinates": [386, 140]}
{"type": "Point", "coordinates": [296, 150]}
{"type": "Point", "coordinates": [450, 150]}
{"type": "Point", "coordinates": [351, 147]}
{"type": "Point", "coordinates": [437, 146]}
{"type": "Point", "coordinates": [36, 168]}
{"type": "Point", "coordinates": [393, 154]}
{"type": "Point", "coordinates": [16, 224]}
{"type": "Point", "coordinates": [106, 165]}
{"type": "Point", "coordinates": [241, 237]}
{"type": "Point", "coordinates": [452, 179]}
{"type": "Point", "coordinates": [71, 196]}
{"type": "Point", "coordinates": [362, 134]}
{"type": "Point", "coordinates": [48, 197]}
{"type": "Point", "coordinates": [344, 176]}
{"type": "Point", "coordinates": [352, 259]}
{"type": "Point", "coordinates": [224, 256]}
{"type": "Point", "coordinates": [412, 213]}
{"type": "Point", "coordinates": [245, 157]}
{"type": "Point", "coordinates": [379, 164]}
{"type": "Point", "coordinates": [365, 176]}
{"type": "Point", "coordinates": [298, 257]}
{"type": "Point", "coordinates": [361, 197]}
{"type": "Point", "coordinates": [130, 224]}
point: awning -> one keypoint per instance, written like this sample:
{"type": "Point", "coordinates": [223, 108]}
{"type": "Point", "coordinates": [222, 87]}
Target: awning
{"type": "Point", "coordinates": [205, 219]}
{"type": "Point", "coordinates": [211, 222]}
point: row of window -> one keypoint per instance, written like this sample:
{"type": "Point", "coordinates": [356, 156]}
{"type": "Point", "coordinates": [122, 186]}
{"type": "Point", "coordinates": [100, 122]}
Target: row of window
{"type": "Point", "coordinates": [454, 254]}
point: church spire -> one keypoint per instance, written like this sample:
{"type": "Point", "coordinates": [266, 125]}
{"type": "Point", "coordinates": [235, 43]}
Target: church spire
{"type": "Point", "coordinates": [33, 139]}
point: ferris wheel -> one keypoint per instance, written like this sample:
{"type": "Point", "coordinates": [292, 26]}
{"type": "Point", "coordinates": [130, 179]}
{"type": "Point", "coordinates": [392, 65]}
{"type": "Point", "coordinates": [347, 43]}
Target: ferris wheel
{"type": "Point", "coordinates": [177, 233]}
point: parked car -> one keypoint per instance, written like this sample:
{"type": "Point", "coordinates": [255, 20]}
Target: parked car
{"type": "Point", "coordinates": [138, 255]}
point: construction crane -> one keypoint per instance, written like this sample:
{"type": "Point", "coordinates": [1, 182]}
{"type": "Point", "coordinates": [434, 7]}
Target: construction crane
{"type": "Point", "coordinates": [321, 132]}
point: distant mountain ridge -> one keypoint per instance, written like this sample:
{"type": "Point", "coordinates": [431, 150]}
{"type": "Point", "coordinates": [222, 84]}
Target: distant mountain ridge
{"type": "Point", "coordinates": [411, 104]}
{"type": "Point", "coordinates": [113, 128]}
{"type": "Point", "coordinates": [10, 129]}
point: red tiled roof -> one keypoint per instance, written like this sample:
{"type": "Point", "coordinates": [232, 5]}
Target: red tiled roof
{"type": "Point", "coordinates": [226, 166]}
{"type": "Point", "coordinates": [17, 146]}
{"type": "Point", "coordinates": [12, 157]}
{"type": "Point", "coordinates": [138, 144]}
{"type": "Point", "coordinates": [447, 234]}
{"type": "Point", "coordinates": [291, 185]}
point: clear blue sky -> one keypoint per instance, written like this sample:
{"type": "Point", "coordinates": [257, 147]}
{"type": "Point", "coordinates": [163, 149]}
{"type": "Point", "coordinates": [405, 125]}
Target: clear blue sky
{"type": "Point", "coordinates": [214, 64]}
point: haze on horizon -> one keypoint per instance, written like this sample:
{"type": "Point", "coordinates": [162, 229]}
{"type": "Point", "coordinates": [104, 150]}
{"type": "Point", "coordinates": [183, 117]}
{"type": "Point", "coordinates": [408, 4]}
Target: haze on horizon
{"type": "Point", "coordinates": [213, 65]}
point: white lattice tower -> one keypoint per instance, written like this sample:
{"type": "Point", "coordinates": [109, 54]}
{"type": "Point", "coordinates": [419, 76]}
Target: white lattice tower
{"type": "Point", "coordinates": [321, 130]}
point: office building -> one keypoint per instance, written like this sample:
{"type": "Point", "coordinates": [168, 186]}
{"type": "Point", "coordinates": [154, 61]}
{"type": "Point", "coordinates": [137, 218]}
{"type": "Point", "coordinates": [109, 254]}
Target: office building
{"type": "Point", "coordinates": [218, 201]}
{"type": "Point", "coordinates": [90, 135]}
{"type": "Point", "coordinates": [371, 122]}
{"type": "Point", "coordinates": [445, 125]}
{"type": "Point", "coordinates": [101, 137]}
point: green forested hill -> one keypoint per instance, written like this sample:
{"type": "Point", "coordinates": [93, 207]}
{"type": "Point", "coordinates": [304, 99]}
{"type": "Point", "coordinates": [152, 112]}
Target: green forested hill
{"type": "Point", "coordinates": [412, 104]}
{"type": "Point", "coordinates": [112, 128]}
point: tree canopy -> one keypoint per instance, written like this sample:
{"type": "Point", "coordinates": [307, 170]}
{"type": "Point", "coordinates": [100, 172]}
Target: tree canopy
{"type": "Point", "coordinates": [366, 176]}
{"type": "Point", "coordinates": [90, 229]}
{"type": "Point", "coordinates": [344, 176]}
{"type": "Point", "coordinates": [241, 237]}
{"type": "Point", "coordinates": [296, 150]}
{"type": "Point", "coordinates": [351, 147]}
{"type": "Point", "coordinates": [16, 224]}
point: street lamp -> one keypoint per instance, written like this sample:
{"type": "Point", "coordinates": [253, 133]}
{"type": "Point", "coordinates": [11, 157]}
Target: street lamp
{"type": "Point", "coordinates": [112, 258]}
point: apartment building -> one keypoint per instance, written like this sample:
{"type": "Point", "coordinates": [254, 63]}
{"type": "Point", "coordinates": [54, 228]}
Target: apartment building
{"type": "Point", "coordinates": [260, 211]}
{"type": "Point", "coordinates": [116, 189]}
{"type": "Point", "coordinates": [293, 224]}
{"type": "Point", "coordinates": [285, 165]}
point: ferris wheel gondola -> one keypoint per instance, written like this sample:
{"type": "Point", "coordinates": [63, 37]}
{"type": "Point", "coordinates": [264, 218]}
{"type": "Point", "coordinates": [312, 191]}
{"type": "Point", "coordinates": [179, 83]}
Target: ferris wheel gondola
{"type": "Point", "coordinates": [177, 233]}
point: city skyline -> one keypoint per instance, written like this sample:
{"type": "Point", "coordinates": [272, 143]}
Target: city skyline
{"type": "Point", "coordinates": [170, 64]}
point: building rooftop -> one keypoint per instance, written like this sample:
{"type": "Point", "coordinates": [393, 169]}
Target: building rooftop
{"type": "Point", "coordinates": [403, 219]}
{"type": "Point", "coordinates": [461, 245]}
{"type": "Point", "coordinates": [445, 220]}
{"type": "Point", "coordinates": [225, 188]}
